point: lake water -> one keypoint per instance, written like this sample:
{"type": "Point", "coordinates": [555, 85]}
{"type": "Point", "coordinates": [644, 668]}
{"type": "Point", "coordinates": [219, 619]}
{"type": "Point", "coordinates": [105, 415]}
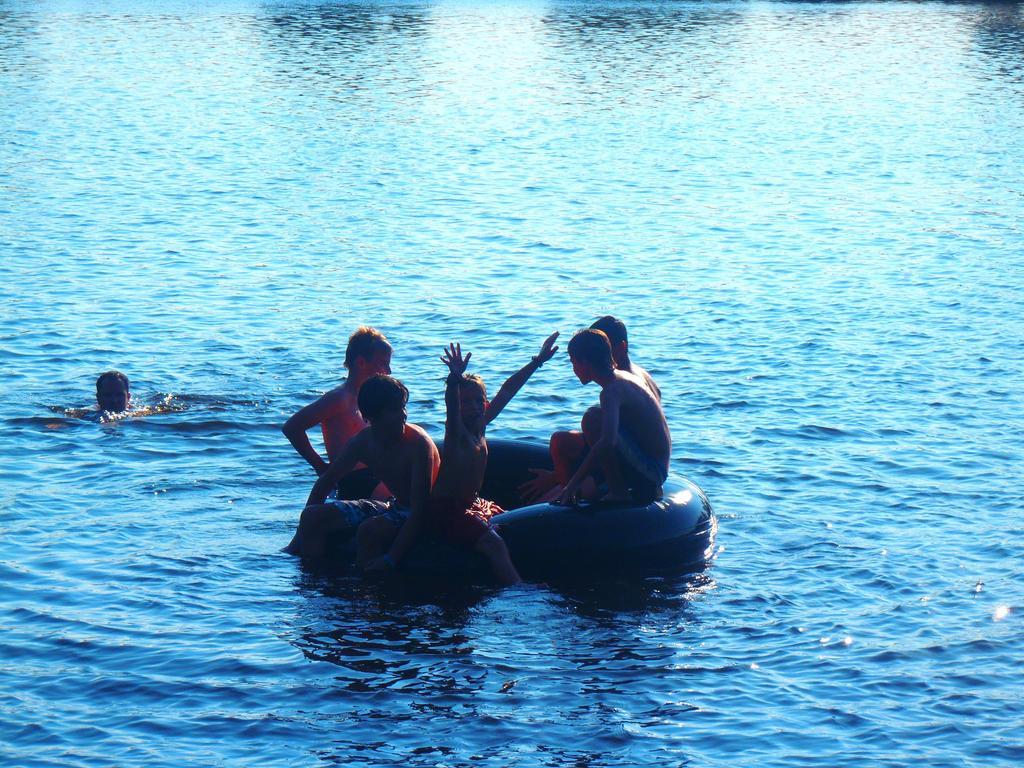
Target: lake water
{"type": "Point", "coordinates": [810, 217]}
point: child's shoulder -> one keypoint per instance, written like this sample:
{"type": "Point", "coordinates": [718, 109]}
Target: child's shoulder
{"type": "Point", "coordinates": [414, 433]}
{"type": "Point", "coordinates": [627, 379]}
{"type": "Point", "coordinates": [339, 397]}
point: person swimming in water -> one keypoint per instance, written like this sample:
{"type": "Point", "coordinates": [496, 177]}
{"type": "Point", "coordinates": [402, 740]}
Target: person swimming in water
{"type": "Point", "coordinates": [113, 392]}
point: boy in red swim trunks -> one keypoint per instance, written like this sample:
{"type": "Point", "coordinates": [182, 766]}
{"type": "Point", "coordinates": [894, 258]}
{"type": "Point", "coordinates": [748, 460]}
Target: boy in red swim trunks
{"type": "Point", "coordinates": [455, 511]}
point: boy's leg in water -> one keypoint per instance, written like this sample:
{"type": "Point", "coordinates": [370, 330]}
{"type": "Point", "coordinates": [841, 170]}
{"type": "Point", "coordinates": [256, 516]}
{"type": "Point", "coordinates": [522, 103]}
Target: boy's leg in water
{"type": "Point", "coordinates": [495, 549]}
{"type": "Point", "coordinates": [316, 523]}
{"type": "Point", "coordinates": [373, 537]}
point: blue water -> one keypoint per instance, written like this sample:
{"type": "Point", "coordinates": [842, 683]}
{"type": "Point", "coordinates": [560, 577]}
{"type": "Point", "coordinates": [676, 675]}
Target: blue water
{"type": "Point", "coordinates": [810, 216]}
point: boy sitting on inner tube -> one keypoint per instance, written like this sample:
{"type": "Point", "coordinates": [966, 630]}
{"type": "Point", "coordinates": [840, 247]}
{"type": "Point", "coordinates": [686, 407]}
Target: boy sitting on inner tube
{"type": "Point", "coordinates": [635, 445]}
{"type": "Point", "coordinates": [402, 455]}
{"type": "Point", "coordinates": [568, 449]}
{"type": "Point", "coordinates": [455, 510]}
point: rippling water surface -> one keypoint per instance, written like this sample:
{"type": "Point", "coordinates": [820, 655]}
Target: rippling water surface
{"type": "Point", "coordinates": [809, 215]}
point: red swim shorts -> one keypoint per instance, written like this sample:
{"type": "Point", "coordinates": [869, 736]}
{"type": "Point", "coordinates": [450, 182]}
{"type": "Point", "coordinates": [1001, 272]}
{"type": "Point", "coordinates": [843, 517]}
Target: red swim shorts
{"type": "Point", "coordinates": [459, 521]}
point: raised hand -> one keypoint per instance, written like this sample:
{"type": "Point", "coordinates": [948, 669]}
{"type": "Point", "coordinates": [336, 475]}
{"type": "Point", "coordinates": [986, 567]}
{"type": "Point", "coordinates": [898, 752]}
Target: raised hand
{"type": "Point", "coordinates": [547, 349]}
{"type": "Point", "coordinates": [453, 358]}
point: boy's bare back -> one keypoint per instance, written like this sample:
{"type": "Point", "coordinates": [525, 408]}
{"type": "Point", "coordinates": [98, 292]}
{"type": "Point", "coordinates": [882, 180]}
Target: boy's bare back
{"type": "Point", "coordinates": [639, 414]}
{"type": "Point", "coordinates": [339, 418]}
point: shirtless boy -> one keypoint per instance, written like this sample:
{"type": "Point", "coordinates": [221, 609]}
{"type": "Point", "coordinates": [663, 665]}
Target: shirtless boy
{"type": "Point", "coordinates": [337, 412]}
{"type": "Point", "coordinates": [402, 455]}
{"type": "Point", "coordinates": [113, 392]}
{"type": "Point", "coordinates": [568, 449]}
{"type": "Point", "coordinates": [634, 446]}
{"type": "Point", "coordinates": [615, 330]}
{"type": "Point", "coordinates": [455, 510]}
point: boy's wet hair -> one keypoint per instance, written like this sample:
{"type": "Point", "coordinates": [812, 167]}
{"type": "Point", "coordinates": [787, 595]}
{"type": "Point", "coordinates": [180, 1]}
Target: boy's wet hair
{"type": "Point", "coordinates": [364, 343]}
{"type": "Point", "coordinates": [612, 327]}
{"type": "Point", "coordinates": [592, 346]}
{"type": "Point", "coordinates": [475, 379]}
{"type": "Point", "coordinates": [116, 375]}
{"type": "Point", "coordinates": [381, 393]}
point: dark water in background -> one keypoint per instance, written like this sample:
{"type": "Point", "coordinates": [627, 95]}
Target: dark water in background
{"type": "Point", "coordinates": [810, 216]}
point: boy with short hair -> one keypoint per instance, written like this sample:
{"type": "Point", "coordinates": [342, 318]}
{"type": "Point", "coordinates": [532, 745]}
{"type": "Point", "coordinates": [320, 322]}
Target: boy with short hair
{"type": "Point", "coordinates": [569, 448]}
{"type": "Point", "coordinates": [455, 510]}
{"type": "Point", "coordinates": [635, 444]}
{"type": "Point", "coordinates": [615, 330]}
{"type": "Point", "coordinates": [337, 412]}
{"type": "Point", "coordinates": [402, 455]}
{"type": "Point", "coordinates": [113, 392]}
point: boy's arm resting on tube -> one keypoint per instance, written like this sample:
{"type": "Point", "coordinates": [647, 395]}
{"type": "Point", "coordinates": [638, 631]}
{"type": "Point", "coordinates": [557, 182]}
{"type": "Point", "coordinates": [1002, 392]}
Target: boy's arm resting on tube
{"type": "Point", "coordinates": [341, 466]}
{"type": "Point", "coordinates": [419, 492]}
{"type": "Point", "coordinates": [516, 381]}
{"type": "Point", "coordinates": [610, 404]}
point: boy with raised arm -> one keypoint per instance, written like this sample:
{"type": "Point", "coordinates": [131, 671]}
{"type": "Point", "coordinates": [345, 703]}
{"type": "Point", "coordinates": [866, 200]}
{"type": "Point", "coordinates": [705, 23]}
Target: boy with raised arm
{"type": "Point", "coordinates": [455, 510]}
{"type": "Point", "coordinates": [337, 412]}
{"type": "Point", "coordinates": [634, 446]}
{"type": "Point", "coordinates": [402, 455]}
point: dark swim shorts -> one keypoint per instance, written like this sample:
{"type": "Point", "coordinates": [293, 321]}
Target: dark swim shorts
{"type": "Point", "coordinates": [643, 475]}
{"type": "Point", "coordinates": [459, 521]}
{"type": "Point", "coordinates": [357, 484]}
{"type": "Point", "coordinates": [355, 511]}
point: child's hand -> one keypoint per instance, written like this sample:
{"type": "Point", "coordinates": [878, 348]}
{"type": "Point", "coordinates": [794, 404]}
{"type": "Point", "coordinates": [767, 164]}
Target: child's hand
{"type": "Point", "coordinates": [547, 349]}
{"type": "Point", "coordinates": [567, 498]}
{"type": "Point", "coordinates": [543, 480]}
{"type": "Point", "coordinates": [453, 358]}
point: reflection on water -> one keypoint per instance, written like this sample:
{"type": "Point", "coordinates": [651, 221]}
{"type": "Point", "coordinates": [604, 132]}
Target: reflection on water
{"type": "Point", "coordinates": [999, 30]}
{"type": "Point", "coordinates": [809, 215]}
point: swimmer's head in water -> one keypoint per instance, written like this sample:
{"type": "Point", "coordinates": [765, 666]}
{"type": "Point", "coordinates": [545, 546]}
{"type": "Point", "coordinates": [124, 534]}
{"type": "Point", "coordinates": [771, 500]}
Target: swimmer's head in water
{"type": "Point", "coordinates": [368, 353]}
{"type": "Point", "coordinates": [382, 401]}
{"type": "Point", "coordinates": [591, 354]}
{"type": "Point", "coordinates": [113, 392]}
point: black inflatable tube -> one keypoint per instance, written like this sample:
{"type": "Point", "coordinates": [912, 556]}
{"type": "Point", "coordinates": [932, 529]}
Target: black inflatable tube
{"type": "Point", "coordinates": [672, 535]}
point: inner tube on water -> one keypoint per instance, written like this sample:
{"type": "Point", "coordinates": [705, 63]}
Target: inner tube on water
{"type": "Point", "coordinates": [674, 534]}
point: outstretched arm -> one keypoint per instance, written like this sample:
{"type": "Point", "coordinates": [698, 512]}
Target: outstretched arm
{"type": "Point", "coordinates": [515, 382]}
{"type": "Point", "coordinates": [419, 492]}
{"type": "Point", "coordinates": [457, 365]}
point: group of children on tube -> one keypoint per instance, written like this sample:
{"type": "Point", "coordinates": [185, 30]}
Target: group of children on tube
{"type": "Point", "coordinates": [385, 480]}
